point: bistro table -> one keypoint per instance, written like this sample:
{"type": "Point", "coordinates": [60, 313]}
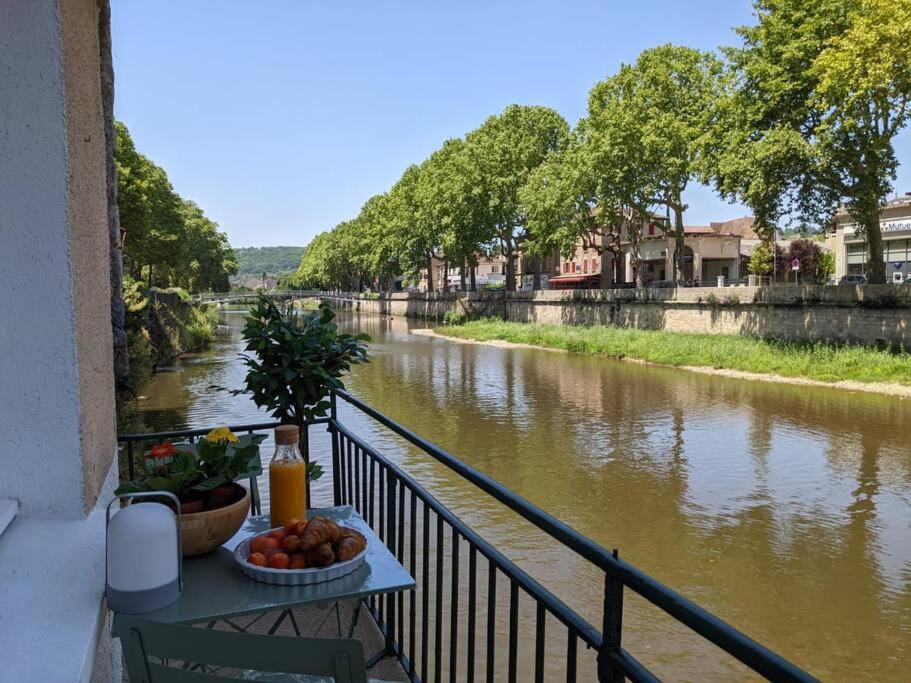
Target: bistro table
{"type": "Point", "coordinates": [215, 589]}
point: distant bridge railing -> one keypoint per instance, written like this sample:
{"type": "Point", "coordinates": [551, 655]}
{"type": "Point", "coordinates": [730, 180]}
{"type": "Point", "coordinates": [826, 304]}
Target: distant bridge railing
{"type": "Point", "coordinates": [234, 297]}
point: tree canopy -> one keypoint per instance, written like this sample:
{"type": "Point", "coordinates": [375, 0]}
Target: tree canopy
{"type": "Point", "coordinates": [796, 121]}
{"type": "Point", "coordinates": [169, 240]}
{"type": "Point", "coordinates": [816, 93]}
{"type": "Point", "coordinates": [254, 261]}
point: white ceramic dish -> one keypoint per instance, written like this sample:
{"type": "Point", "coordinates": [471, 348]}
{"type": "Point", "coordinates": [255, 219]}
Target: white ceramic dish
{"type": "Point", "coordinates": [293, 577]}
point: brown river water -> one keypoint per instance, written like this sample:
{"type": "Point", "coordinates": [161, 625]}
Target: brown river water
{"type": "Point", "coordinates": [784, 510]}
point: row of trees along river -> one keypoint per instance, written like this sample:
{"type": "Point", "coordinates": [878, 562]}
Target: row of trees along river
{"type": "Point", "coordinates": [785, 510]}
{"type": "Point", "coordinates": [795, 120]}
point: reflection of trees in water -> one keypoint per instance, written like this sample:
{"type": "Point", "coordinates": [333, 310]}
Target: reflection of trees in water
{"type": "Point", "coordinates": [609, 448]}
{"type": "Point", "coordinates": [623, 453]}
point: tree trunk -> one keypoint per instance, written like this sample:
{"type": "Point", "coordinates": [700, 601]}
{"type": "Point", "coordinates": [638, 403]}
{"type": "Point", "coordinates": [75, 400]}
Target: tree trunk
{"type": "Point", "coordinates": [510, 267]}
{"type": "Point", "coordinates": [472, 275]}
{"type": "Point", "coordinates": [446, 277]}
{"type": "Point", "coordinates": [536, 273]}
{"type": "Point", "coordinates": [462, 274]}
{"type": "Point", "coordinates": [679, 245]}
{"type": "Point", "coordinates": [876, 266]}
{"type": "Point", "coordinates": [430, 273]}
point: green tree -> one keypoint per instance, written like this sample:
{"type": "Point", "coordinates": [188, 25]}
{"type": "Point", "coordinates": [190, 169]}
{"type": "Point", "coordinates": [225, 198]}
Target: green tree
{"type": "Point", "coordinates": [448, 198]}
{"type": "Point", "coordinates": [817, 93]}
{"type": "Point", "coordinates": [657, 110]}
{"type": "Point", "coordinates": [169, 240]}
{"type": "Point", "coordinates": [383, 258]}
{"type": "Point", "coordinates": [505, 150]}
{"type": "Point", "coordinates": [761, 259]}
{"type": "Point", "coordinates": [412, 226]}
{"type": "Point", "coordinates": [594, 193]}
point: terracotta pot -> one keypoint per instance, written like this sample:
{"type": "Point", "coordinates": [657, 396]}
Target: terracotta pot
{"type": "Point", "coordinates": [190, 507]}
{"type": "Point", "coordinates": [204, 531]}
{"type": "Point", "coordinates": [221, 496]}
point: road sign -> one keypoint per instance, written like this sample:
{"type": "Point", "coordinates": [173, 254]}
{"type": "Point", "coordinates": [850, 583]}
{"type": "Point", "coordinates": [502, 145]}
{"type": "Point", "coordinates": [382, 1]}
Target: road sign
{"type": "Point", "coordinates": [795, 264]}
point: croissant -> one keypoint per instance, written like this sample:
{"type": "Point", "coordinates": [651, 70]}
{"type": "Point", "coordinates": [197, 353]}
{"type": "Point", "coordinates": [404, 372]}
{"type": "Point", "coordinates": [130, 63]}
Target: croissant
{"type": "Point", "coordinates": [321, 556]}
{"type": "Point", "coordinates": [350, 544]}
{"type": "Point", "coordinates": [319, 530]}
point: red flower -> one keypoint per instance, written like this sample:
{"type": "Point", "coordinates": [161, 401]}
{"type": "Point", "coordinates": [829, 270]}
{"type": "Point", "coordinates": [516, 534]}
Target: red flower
{"type": "Point", "coordinates": [163, 450]}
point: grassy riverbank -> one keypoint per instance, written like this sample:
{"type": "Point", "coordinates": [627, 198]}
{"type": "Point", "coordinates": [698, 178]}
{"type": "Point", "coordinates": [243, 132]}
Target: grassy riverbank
{"type": "Point", "coordinates": [821, 362]}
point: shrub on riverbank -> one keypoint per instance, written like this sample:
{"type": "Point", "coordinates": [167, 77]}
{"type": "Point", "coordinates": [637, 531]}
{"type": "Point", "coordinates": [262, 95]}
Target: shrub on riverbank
{"type": "Point", "coordinates": [158, 333]}
{"type": "Point", "coordinates": [816, 361]}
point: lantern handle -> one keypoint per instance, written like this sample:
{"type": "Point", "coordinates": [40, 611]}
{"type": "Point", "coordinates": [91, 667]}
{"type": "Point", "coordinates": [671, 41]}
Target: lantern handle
{"type": "Point", "coordinates": [144, 494]}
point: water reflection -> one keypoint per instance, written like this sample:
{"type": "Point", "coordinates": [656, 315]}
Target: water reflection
{"type": "Point", "coordinates": [785, 510]}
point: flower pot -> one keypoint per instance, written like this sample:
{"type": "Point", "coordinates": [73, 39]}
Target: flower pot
{"type": "Point", "coordinates": [221, 496]}
{"type": "Point", "coordinates": [191, 506]}
{"type": "Point", "coordinates": [204, 531]}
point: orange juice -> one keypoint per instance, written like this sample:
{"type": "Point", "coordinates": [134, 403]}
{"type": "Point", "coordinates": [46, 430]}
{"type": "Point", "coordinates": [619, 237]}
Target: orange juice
{"type": "Point", "coordinates": [287, 491]}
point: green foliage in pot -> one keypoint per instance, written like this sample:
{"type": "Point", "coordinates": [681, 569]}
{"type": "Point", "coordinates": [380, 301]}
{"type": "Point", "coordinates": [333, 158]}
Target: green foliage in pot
{"type": "Point", "coordinates": [298, 358]}
{"type": "Point", "coordinates": [224, 458]}
{"type": "Point", "coordinates": [191, 470]}
{"type": "Point", "coordinates": [164, 468]}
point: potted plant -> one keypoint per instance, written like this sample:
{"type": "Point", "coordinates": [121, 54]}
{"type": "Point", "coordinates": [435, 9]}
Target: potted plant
{"type": "Point", "coordinates": [203, 476]}
{"type": "Point", "coordinates": [223, 459]}
{"type": "Point", "coordinates": [297, 359]}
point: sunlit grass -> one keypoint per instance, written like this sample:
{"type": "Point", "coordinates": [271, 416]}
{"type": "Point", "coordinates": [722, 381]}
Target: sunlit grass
{"type": "Point", "coordinates": [816, 361]}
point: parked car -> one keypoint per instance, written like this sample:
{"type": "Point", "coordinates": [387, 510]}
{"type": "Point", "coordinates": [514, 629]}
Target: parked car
{"type": "Point", "coordinates": [908, 280]}
{"type": "Point", "coordinates": [853, 280]}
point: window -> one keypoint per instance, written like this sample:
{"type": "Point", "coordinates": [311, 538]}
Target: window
{"type": "Point", "coordinates": [594, 265]}
{"type": "Point", "coordinates": [895, 250]}
{"type": "Point", "coordinates": [585, 265]}
{"type": "Point", "coordinates": [651, 229]}
{"type": "Point", "coordinates": [578, 268]}
{"type": "Point", "coordinates": [856, 254]}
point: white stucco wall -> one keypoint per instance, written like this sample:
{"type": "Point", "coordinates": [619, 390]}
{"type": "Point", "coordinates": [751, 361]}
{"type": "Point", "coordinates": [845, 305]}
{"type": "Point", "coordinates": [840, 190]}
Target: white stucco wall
{"type": "Point", "coordinates": [39, 406]}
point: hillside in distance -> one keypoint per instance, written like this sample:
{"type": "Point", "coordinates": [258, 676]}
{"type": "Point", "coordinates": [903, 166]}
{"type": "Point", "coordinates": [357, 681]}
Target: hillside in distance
{"type": "Point", "coordinates": [273, 261]}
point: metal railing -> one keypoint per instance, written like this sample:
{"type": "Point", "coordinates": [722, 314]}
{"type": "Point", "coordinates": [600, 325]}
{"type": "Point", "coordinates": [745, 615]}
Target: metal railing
{"type": "Point", "coordinates": [389, 499]}
{"type": "Point", "coordinates": [446, 557]}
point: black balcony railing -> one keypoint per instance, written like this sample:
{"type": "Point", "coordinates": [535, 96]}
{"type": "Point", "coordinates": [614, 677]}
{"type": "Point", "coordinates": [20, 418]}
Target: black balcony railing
{"type": "Point", "coordinates": [448, 626]}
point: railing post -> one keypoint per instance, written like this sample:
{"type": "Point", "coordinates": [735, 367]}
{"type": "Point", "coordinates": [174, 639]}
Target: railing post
{"type": "Point", "coordinates": [333, 431]}
{"type": "Point", "coordinates": [305, 442]}
{"type": "Point", "coordinates": [612, 627]}
{"type": "Point", "coordinates": [390, 543]}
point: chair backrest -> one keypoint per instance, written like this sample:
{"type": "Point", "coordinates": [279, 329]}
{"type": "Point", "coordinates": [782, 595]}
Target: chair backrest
{"type": "Point", "coordinates": [342, 660]}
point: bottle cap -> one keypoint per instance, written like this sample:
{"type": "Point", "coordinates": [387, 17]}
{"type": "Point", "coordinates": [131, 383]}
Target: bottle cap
{"type": "Point", "coordinates": [286, 435]}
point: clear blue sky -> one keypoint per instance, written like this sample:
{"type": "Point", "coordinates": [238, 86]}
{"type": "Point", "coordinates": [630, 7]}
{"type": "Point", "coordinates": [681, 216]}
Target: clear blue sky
{"type": "Point", "coordinates": [281, 118]}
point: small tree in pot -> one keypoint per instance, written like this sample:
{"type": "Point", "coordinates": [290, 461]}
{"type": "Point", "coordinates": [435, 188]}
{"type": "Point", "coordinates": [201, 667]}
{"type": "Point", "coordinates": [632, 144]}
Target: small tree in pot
{"type": "Point", "coordinates": [297, 359]}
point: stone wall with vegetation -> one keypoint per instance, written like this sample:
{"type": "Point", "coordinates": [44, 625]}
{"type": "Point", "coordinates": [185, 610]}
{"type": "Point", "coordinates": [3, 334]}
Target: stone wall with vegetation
{"type": "Point", "coordinates": [872, 315]}
{"type": "Point", "coordinates": [161, 325]}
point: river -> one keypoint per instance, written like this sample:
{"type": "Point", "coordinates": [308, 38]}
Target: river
{"type": "Point", "coordinates": [784, 510]}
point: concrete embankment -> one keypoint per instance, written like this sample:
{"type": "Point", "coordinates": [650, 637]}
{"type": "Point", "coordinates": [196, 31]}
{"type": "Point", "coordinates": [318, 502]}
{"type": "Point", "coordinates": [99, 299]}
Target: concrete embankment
{"type": "Point", "coordinates": [870, 315]}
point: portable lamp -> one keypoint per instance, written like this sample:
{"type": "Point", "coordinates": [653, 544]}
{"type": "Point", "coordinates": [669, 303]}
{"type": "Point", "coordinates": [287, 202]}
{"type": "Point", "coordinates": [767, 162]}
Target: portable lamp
{"type": "Point", "coordinates": [143, 557]}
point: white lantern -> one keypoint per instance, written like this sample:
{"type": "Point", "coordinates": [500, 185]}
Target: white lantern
{"type": "Point", "coordinates": [143, 557]}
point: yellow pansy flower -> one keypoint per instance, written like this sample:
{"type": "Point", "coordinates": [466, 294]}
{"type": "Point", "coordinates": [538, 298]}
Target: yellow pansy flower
{"type": "Point", "coordinates": [221, 434]}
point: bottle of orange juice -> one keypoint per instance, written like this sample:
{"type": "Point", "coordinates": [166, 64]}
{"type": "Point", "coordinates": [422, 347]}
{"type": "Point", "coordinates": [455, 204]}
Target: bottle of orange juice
{"type": "Point", "coordinates": [287, 478]}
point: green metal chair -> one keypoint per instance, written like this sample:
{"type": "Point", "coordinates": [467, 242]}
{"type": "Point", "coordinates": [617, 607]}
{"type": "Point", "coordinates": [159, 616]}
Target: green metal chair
{"type": "Point", "coordinates": [201, 652]}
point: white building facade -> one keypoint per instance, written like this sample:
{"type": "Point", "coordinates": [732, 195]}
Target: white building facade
{"type": "Point", "coordinates": [851, 248]}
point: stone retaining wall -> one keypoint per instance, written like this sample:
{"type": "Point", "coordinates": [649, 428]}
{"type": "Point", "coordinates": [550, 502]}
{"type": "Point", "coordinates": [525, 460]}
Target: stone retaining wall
{"type": "Point", "coordinates": [867, 314]}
